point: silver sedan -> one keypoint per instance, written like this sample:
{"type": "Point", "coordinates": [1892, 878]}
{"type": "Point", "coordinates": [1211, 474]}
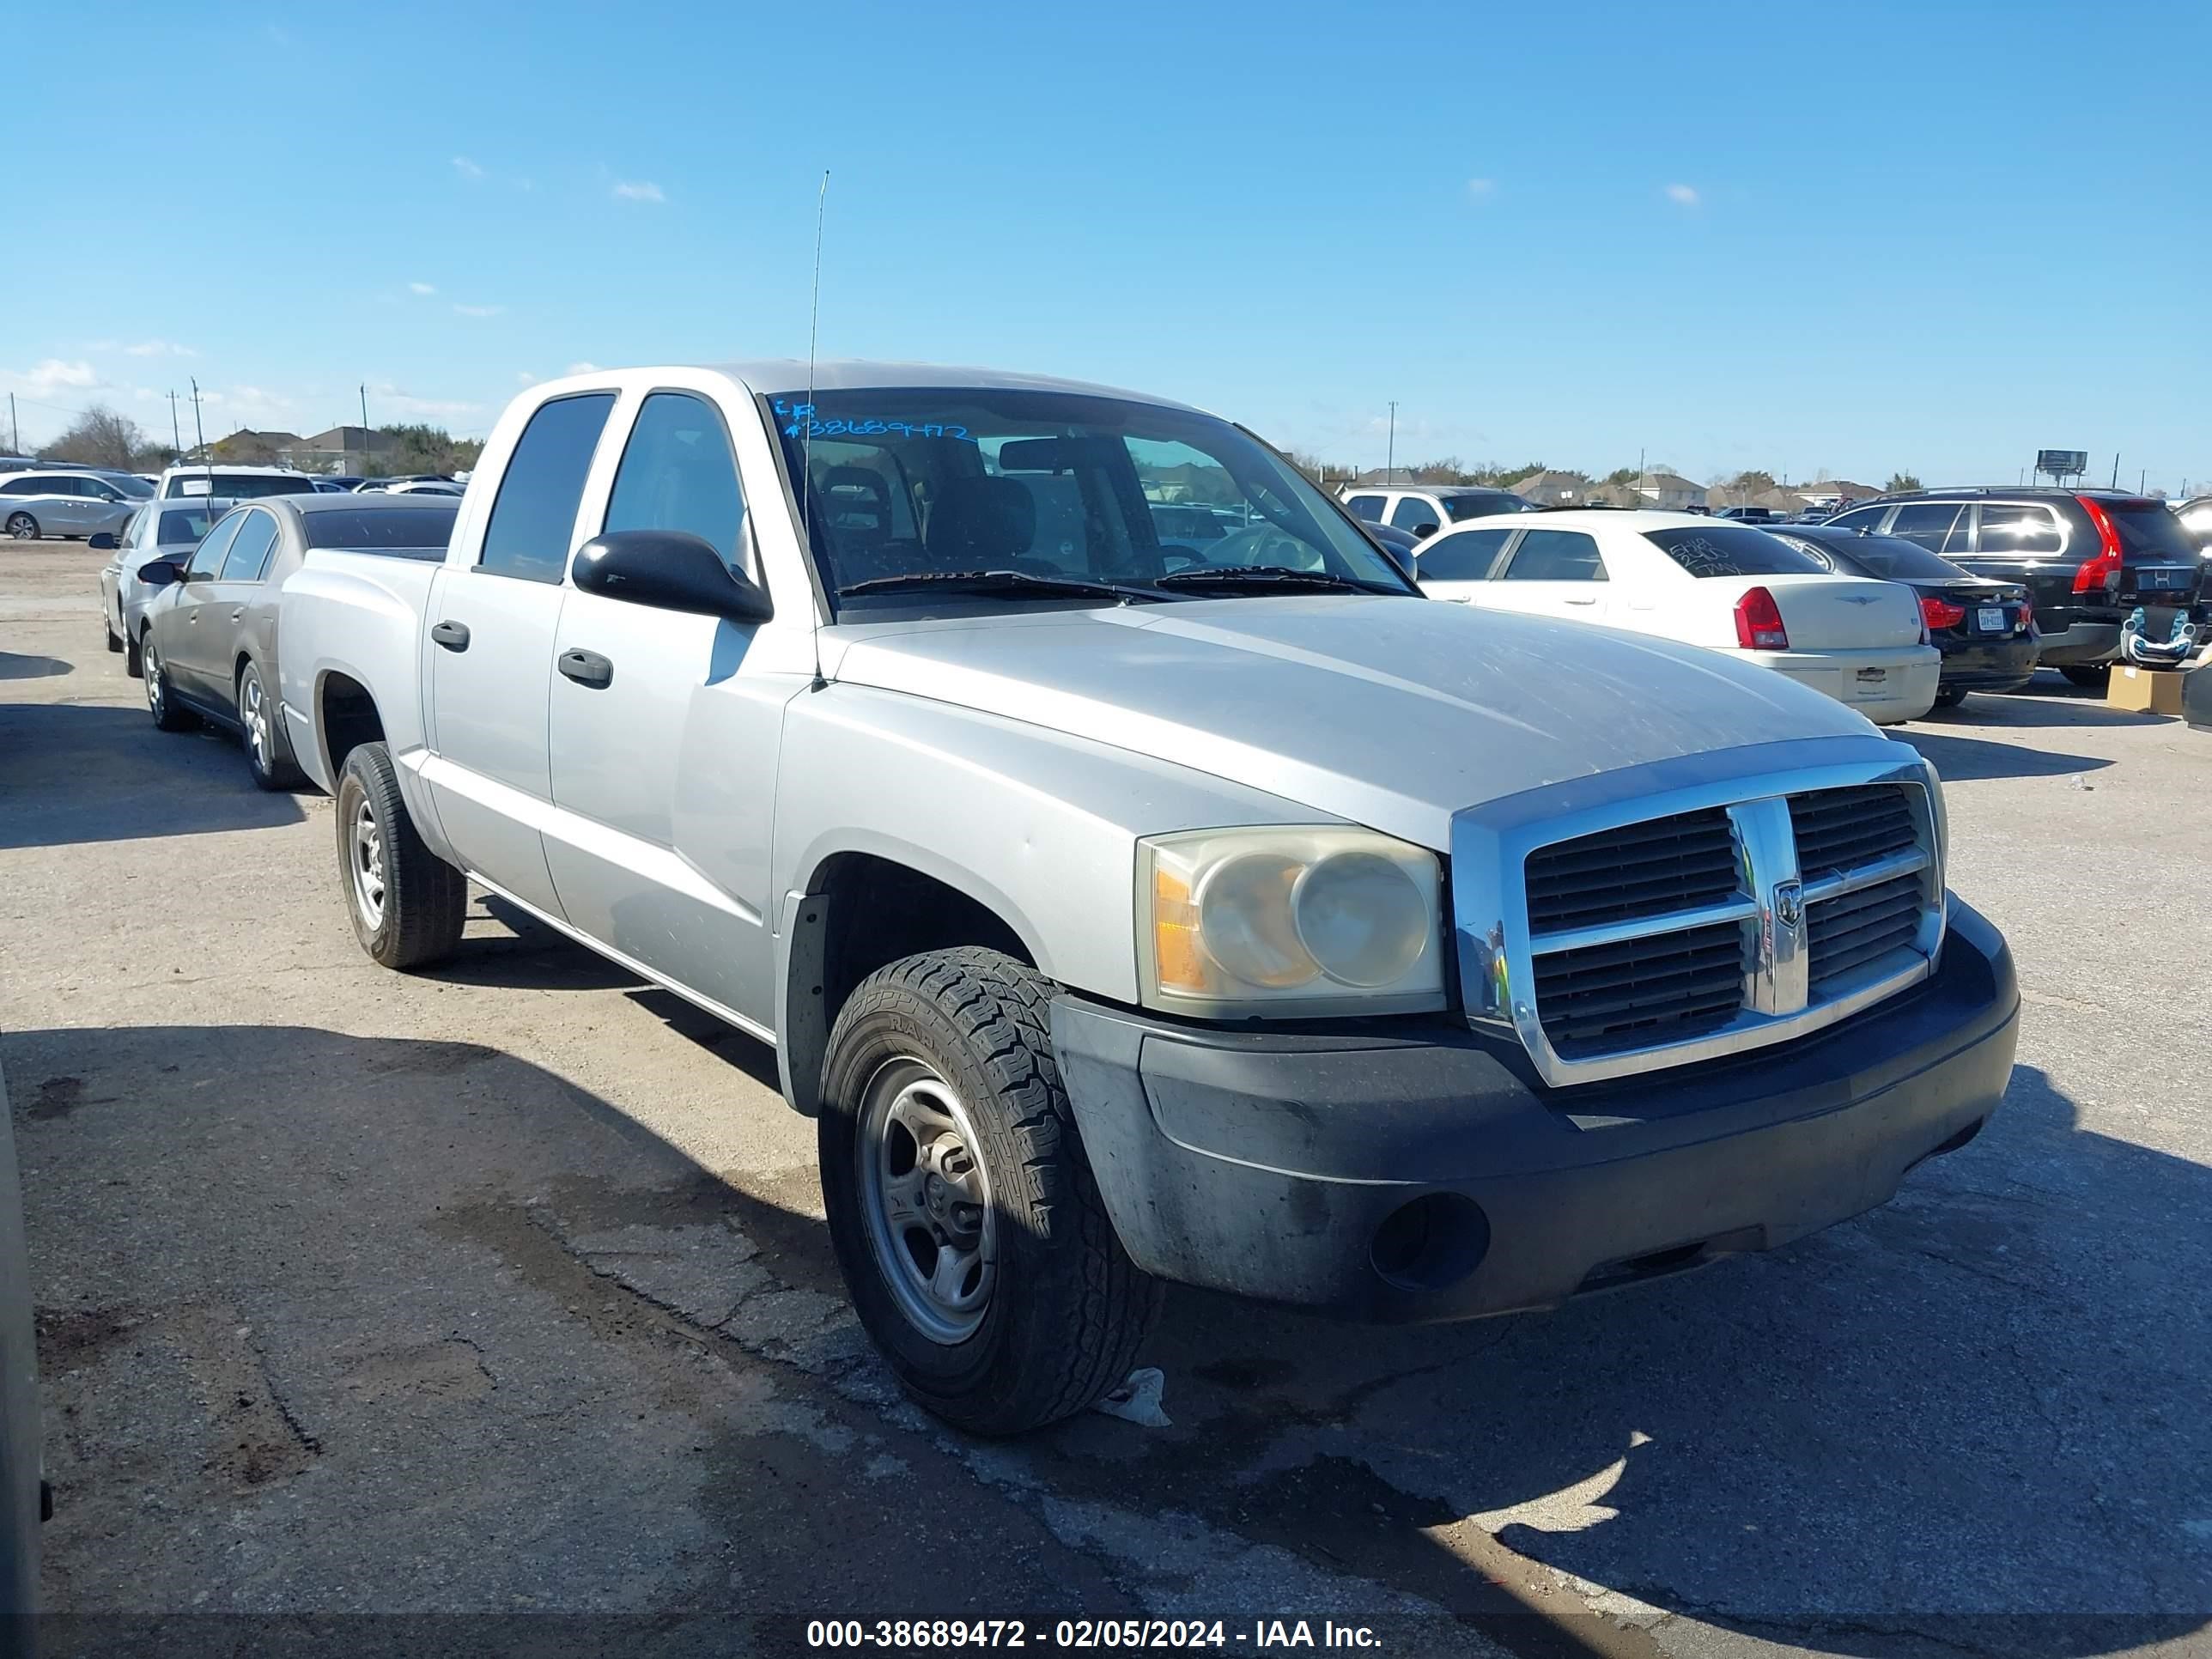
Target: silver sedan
{"type": "Point", "coordinates": [158, 529]}
{"type": "Point", "coordinates": [63, 503]}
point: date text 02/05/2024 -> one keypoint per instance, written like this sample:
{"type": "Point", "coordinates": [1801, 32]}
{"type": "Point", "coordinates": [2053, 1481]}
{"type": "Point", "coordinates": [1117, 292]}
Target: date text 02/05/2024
{"type": "Point", "coordinates": [1264, 1634]}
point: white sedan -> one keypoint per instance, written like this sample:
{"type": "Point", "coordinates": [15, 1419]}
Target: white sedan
{"type": "Point", "coordinates": [1682, 577]}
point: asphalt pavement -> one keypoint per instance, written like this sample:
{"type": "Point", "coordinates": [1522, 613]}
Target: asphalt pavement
{"type": "Point", "coordinates": [498, 1297]}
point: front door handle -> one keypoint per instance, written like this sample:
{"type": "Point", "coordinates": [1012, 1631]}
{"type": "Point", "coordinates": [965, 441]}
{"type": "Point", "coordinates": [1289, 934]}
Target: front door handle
{"type": "Point", "coordinates": [238, 614]}
{"type": "Point", "coordinates": [453, 636]}
{"type": "Point", "coordinates": [587, 668]}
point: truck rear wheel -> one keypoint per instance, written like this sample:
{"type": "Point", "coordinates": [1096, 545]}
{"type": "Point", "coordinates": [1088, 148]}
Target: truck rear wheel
{"type": "Point", "coordinates": [407, 903]}
{"type": "Point", "coordinates": [963, 1212]}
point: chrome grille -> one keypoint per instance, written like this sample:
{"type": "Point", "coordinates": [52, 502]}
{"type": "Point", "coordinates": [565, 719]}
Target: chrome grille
{"type": "Point", "coordinates": [1660, 988]}
{"type": "Point", "coordinates": [1639, 870]}
{"type": "Point", "coordinates": [1853, 929]}
{"type": "Point", "coordinates": [1731, 913]}
{"type": "Point", "coordinates": [1838, 830]}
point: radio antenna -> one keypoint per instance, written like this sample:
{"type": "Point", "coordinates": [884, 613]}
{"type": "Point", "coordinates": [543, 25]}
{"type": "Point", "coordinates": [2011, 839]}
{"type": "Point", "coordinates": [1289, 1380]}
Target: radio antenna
{"type": "Point", "coordinates": [807, 429]}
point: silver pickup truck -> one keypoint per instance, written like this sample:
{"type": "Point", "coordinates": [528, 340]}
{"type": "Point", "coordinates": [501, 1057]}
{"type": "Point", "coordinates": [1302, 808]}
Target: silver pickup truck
{"type": "Point", "coordinates": [1136, 893]}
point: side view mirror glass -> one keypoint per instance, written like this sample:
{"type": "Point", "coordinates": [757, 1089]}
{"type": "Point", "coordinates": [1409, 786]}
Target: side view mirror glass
{"type": "Point", "coordinates": [160, 573]}
{"type": "Point", "coordinates": [670, 569]}
{"type": "Point", "coordinates": [103, 543]}
{"type": "Point", "coordinates": [1423, 531]}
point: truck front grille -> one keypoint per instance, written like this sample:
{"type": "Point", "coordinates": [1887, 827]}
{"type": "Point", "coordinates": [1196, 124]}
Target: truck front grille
{"type": "Point", "coordinates": [1721, 927]}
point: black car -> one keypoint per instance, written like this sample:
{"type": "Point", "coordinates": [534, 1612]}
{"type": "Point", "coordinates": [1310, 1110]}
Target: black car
{"type": "Point", "coordinates": [2087, 557]}
{"type": "Point", "coordinates": [1984, 629]}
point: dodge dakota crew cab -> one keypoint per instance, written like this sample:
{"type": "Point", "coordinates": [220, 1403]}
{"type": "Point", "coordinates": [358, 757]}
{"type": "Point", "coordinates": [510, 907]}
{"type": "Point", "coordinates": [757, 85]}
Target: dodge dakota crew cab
{"type": "Point", "coordinates": [1133, 906]}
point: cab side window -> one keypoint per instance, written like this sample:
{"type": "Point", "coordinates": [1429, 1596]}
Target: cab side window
{"type": "Point", "coordinates": [1413, 513]}
{"type": "Point", "coordinates": [1466, 555]}
{"type": "Point", "coordinates": [207, 557]}
{"type": "Point", "coordinates": [678, 472]}
{"type": "Point", "coordinates": [1556, 556]}
{"type": "Point", "coordinates": [534, 519]}
{"type": "Point", "coordinates": [1368, 507]}
{"type": "Point", "coordinates": [249, 548]}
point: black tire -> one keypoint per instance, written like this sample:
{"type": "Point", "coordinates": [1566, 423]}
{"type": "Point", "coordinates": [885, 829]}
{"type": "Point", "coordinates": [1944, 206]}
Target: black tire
{"type": "Point", "coordinates": [2093, 674]}
{"type": "Point", "coordinates": [131, 665]}
{"type": "Point", "coordinates": [268, 755]}
{"type": "Point", "coordinates": [1949, 696]}
{"type": "Point", "coordinates": [423, 899]}
{"type": "Point", "coordinates": [169, 715]}
{"type": "Point", "coordinates": [114, 640]}
{"type": "Point", "coordinates": [23, 527]}
{"type": "Point", "coordinates": [1067, 1310]}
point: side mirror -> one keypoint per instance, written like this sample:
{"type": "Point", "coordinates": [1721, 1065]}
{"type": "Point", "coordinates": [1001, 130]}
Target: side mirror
{"type": "Point", "coordinates": [670, 569]}
{"type": "Point", "coordinates": [103, 543]}
{"type": "Point", "coordinates": [1423, 531]}
{"type": "Point", "coordinates": [160, 572]}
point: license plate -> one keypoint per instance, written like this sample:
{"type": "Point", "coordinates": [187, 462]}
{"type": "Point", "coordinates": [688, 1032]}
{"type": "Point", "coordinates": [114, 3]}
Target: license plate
{"type": "Point", "coordinates": [2161, 579]}
{"type": "Point", "coordinates": [1873, 678]}
{"type": "Point", "coordinates": [1990, 619]}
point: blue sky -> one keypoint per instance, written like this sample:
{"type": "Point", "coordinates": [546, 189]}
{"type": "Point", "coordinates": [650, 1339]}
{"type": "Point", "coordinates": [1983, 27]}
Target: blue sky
{"type": "Point", "coordinates": [1855, 238]}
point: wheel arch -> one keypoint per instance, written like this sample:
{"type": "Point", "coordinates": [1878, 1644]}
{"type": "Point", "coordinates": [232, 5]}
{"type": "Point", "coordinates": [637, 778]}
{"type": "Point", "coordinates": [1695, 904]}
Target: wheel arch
{"type": "Point", "coordinates": [859, 908]}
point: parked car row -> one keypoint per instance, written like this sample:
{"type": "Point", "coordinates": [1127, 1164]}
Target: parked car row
{"type": "Point", "coordinates": [1065, 787]}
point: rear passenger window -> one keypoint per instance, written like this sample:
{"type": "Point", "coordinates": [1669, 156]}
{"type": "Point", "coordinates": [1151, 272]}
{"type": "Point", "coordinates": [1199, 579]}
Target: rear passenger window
{"type": "Point", "coordinates": [249, 549]}
{"type": "Point", "coordinates": [2019, 529]}
{"type": "Point", "coordinates": [677, 472]}
{"type": "Point", "coordinates": [1859, 518]}
{"type": "Point", "coordinates": [207, 558]}
{"type": "Point", "coordinates": [1928, 523]}
{"type": "Point", "coordinates": [533, 522]}
{"type": "Point", "coordinates": [1556, 556]}
{"type": "Point", "coordinates": [1414, 512]}
{"type": "Point", "coordinates": [1463, 556]}
{"type": "Point", "coordinates": [1368, 507]}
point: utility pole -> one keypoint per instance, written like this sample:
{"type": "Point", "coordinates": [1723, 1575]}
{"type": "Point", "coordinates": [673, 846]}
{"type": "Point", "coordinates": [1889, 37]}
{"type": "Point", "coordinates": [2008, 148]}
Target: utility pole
{"type": "Point", "coordinates": [199, 435]}
{"type": "Point", "coordinates": [14, 432]}
{"type": "Point", "coordinates": [1390, 455]}
{"type": "Point", "coordinates": [2142, 478]}
{"type": "Point", "coordinates": [2115, 468]}
{"type": "Point", "coordinates": [176, 436]}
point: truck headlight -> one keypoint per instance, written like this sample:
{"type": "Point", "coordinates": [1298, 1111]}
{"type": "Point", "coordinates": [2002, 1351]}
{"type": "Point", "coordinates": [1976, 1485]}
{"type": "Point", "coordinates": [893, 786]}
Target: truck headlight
{"type": "Point", "coordinates": [1289, 921]}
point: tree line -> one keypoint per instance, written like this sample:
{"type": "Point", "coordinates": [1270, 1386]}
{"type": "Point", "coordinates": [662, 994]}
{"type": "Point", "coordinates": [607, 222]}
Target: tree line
{"type": "Point", "coordinates": [104, 438]}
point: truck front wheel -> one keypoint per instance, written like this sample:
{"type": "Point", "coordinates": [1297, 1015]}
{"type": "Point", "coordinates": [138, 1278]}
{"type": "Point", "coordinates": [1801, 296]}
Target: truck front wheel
{"type": "Point", "coordinates": [963, 1212]}
{"type": "Point", "coordinates": [407, 903]}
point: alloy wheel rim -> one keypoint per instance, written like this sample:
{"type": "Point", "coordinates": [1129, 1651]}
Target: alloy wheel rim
{"type": "Point", "coordinates": [256, 719]}
{"type": "Point", "coordinates": [150, 665]}
{"type": "Point", "coordinates": [926, 1199]}
{"type": "Point", "coordinates": [18, 525]}
{"type": "Point", "coordinates": [366, 862]}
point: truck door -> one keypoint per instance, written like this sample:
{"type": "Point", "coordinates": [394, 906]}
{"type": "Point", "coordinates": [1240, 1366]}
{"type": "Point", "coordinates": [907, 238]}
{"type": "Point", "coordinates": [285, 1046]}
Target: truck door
{"type": "Point", "coordinates": [663, 752]}
{"type": "Point", "coordinates": [493, 624]}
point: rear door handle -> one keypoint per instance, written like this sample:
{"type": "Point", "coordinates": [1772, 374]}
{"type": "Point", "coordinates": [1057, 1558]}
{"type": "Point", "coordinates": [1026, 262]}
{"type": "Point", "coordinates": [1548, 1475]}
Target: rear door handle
{"type": "Point", "coordinates": [453, 636]}
{"type": "Point", "coordinates": [1582, 601]}
{"type": "Point", "coordinates": [587, 668]}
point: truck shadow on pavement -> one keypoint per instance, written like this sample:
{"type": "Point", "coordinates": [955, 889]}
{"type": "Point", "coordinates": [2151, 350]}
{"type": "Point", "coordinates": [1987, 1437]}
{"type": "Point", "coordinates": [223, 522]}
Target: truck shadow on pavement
{"type": "Point", "coordinates": [16, 666]}
{"type": "Point", "coordinates": [1967, 1420]}
{"type": "Point", "coordinates": [1962, 760]}
{"type": "Point", "coordinates": [79, 772]}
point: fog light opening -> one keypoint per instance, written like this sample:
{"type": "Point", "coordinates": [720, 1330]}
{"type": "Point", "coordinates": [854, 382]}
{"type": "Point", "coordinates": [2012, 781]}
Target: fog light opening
{"type": "Point", "coordinates": [1432, 1242]}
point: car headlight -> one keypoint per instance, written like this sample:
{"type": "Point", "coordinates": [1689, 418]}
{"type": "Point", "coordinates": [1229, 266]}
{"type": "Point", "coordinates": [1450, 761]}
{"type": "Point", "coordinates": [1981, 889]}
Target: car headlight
{"type": "Point", "coordinates": [1288, 921]}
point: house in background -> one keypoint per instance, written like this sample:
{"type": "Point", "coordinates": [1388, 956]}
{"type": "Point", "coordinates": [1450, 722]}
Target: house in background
{"type": "Point", "coordinates": [1669, 491]}
{"type": "Point", "coordinates": [246, 447]}
{"type": "Point", "coordinates": [1552, 488]}
{"type": "Point", "coordinates": [352, 450]}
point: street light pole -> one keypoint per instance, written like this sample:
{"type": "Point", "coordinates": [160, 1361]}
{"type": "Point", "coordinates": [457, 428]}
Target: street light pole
{"type": "Point", "coordinates": [1390, 455]}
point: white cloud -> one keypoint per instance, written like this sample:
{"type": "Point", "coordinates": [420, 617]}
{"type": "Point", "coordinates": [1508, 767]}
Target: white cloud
{"type": "Point", "coordinates": [467, 168]}
{"type": "Point", "coordinates": [1684, 195]}
{"type": "Point", "coordinates": [52, 374]}
{"type": "Point", "coordinates": [478, 311]}
{"type": "Point", "coordinates": [524, 377]}
{"type": "Point", "coordinates": [581, 368]}
{"type": "Point", "coordinates": [385, 398]}
{"type": "Point", "coordinates": [158, 349]}
{"type": "Point", "coordinates": [640, 189]}
{"type": "Point", "coordinates": [1481, 189]}
{"type": "Point", "coordinates": [422, 288]}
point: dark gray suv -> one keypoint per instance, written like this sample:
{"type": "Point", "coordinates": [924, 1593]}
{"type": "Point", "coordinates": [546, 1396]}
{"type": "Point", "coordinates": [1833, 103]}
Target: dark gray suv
{"type": "Point", "coordinates": [2087, 557]}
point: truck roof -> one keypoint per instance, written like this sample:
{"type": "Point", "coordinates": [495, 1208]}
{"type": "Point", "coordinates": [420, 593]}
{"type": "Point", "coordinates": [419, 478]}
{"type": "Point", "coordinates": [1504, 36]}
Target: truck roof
{"type": "Point", "coordinates": [771, 375]}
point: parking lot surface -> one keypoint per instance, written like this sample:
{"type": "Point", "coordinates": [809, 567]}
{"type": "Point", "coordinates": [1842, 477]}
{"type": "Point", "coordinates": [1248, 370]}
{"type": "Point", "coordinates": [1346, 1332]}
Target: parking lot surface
{"type": "Point", "coordinates": [503, 1289]}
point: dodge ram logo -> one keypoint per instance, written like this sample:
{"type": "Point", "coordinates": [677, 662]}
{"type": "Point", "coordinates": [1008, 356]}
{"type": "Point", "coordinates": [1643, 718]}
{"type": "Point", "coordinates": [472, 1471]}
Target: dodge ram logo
{"type": "Point", "coordinates": [1788, 903]}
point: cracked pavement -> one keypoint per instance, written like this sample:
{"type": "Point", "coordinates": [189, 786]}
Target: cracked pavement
{"type": "Point", "coordinates": [504, 1290]}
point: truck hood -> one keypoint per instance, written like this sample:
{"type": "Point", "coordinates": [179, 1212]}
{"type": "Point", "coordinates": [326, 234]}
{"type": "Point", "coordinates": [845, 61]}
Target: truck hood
{"type": "Point", "coordinates": [1391, 712]}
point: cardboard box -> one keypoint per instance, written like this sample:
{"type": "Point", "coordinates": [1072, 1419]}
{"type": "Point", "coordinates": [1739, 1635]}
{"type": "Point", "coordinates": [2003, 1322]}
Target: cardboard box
{"type": "Point", "coordinates": [2146, 690]}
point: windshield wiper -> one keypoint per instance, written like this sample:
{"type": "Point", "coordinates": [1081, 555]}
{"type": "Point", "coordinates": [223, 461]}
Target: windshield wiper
{"type": "Point", "coordinates": [998, 582]}
{"type": "Point", "coordinates": [1272, 575]}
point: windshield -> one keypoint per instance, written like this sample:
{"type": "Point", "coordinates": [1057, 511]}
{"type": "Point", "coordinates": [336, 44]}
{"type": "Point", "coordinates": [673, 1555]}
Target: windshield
{"type": "Point", "coordinates": [910, 481]}
{"type": "Point", "coordinates": [359, 527]}
{"type": "Point", "coordinates": [1888, 558]}
{"type": "Point", "coordinates": [137, 489]}
{"type": "Point", "coordinates": [1730, 549]}
{"type": "Point", "coordinates": [239, 486]}
{"type": "Point", "coordinates": [1486, 504]}
{"type": "Point", "coordinates": [188, 524]}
